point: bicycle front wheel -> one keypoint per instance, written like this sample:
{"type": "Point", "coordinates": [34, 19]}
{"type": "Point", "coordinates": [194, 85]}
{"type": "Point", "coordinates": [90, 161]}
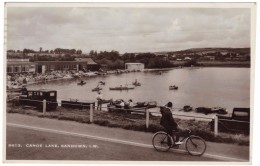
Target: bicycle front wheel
{"type": "Point", "coordinates": [162, 141]}
{"type": "Point", "coordinates": [195, 146]}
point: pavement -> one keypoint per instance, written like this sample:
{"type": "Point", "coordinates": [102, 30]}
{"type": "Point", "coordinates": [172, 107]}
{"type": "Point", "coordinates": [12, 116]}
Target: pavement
{"type": "Point", "coordinates": [100, 143]}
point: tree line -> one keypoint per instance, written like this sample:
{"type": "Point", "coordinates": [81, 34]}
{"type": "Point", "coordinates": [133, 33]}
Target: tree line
{"type": "Point", "coordinates": [55, 51]}
{"type": "Point", "coordinates": [107, 59]}
{"type": "Point", "coordinates": [113, 60]}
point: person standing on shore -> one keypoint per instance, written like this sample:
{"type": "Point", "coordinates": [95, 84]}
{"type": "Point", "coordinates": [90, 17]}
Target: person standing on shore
{"type": "Point", "coordinates": [122, 103]}
{"type": "Point", "coordinates": [24, 90]}
{"type": "Point", "coordinates": [99, 100]}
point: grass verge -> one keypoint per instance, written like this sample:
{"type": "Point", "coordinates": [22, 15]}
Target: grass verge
{"type": "Point", "coordinates": [132, 122]}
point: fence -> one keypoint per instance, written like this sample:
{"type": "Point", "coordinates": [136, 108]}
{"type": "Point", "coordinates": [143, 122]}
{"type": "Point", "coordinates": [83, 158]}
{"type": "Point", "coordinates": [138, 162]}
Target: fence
{"type": "Point", "coordinates": [44, 105]}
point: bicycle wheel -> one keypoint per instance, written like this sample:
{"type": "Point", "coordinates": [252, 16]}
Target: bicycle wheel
{"type": "Point", "coordinates": [162, 141]}
{"type": "Point", "coordinates": [195, 146]}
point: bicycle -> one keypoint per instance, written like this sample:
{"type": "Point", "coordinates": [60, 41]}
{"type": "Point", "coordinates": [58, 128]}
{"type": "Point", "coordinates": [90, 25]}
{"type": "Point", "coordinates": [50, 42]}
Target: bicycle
{"type": "Point", "coordinates": [195, 145]}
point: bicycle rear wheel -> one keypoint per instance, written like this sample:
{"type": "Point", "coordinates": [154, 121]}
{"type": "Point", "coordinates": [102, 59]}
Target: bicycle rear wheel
{"type": "Point", "coordinates": [195, 146]}
{"type": "Point", "coordinates": [162, 141]}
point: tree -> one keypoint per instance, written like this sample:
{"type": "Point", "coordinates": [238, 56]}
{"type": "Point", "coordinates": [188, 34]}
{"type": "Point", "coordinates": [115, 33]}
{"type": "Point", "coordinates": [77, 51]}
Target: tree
{"type": "Point", "coordinates": [11, 51]}
{"type": "Point", "coordinates": [190, 63]}
{"type": "Point", "coordinates": [151, 63]}
{"type": "Point", "coordinates": [72, 51]}
{"type": "Point", "coordinates": [78, 52]}
{"type": "Point", "coordinates": [28, 51]}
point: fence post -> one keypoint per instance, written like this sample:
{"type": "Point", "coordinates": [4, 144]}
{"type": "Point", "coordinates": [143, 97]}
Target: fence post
{"type": "Point", "coordinates": [216, 125]}
{"type": "Point", "coordinates": [91, 113]}
{"type": "Point", "coordinates": [147, 117]}
{"type": "Point", "coordinates": [44, 106]}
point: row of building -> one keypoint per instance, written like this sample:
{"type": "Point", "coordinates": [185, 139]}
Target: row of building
{"type": "Point", "coordinates": [24, 66]}
{"type": "Point", "coordinates": [15, 66]}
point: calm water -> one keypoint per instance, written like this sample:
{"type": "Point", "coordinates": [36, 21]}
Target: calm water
{"type": "Point", "coordinates": [210, 87]}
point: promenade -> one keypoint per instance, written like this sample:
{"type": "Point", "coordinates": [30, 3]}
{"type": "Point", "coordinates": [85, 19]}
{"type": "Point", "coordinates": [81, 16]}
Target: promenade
{"type": "Point", "coordinates": [102, 143]}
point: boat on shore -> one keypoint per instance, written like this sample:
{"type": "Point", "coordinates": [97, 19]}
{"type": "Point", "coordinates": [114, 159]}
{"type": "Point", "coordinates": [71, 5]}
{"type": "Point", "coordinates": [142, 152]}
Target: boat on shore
{"type": "Point", "coordinates": [14, 90]}
{"type": "Point", "coordinates": [187, 108]}
{"type": "Point", "coordinates": [216, 110]}
{"type": "Point", "coordinates": [219, 110]}
{"type": "Point", "coordinates": [76, 104]}
{"type": "Point", "coordinates": [14, 87]}
{"type": "Point", "coordinates": [76, 75]}
{"type": "Point", "coordinates": [139, 107]}
{"type": "Point", "coordinates": [173, 87]}
{"type": "Point", "coordinates": [147, 104]}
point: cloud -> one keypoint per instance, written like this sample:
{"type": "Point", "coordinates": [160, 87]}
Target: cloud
{"type": "Point", "coordinates": [127, 29]}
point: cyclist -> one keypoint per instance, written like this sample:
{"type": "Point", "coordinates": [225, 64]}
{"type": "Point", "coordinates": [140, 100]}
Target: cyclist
{"type": "Point", "coordinates": [169, 123]}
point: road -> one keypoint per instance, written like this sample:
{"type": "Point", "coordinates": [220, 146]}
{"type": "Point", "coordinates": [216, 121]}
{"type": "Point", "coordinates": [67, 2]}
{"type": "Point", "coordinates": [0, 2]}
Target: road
{"type": "Point", "coordinates": [33, 138]}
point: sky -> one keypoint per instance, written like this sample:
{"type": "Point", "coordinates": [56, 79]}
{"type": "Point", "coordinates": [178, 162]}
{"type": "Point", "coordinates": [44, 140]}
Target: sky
{"type": "Point", "coordinates": [127, 29]}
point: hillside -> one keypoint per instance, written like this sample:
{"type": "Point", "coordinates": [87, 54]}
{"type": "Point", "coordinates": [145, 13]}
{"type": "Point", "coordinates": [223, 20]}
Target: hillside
{"type": "Point", "coordinates": [213, 50]}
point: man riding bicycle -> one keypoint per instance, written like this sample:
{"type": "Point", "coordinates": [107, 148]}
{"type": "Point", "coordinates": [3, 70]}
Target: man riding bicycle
{"type": "Point", "coordinates": [169, 123]}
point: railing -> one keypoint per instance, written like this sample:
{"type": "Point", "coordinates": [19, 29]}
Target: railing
{"type": "Point", "coordinates": [143, 110]}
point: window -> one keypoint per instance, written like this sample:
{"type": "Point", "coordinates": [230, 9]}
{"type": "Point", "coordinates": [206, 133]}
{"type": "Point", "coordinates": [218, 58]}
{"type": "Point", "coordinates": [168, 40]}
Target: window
{"type": "Point", "coordinates": [23, 69]}
{"type": "Point", "coordinates": [30, 94]}
{"type": "Point", "coordinates": [52, 94]}
{"type": "Point", "coordinates": [52, 67]}
{"type": "Point", "coordinates": [66, 67]}
{"type": "Point", "coordinates": [16, 69]}
{"type": "Point", "coordinates": [74, 66]}
{"type": "Point", "coordinates": [9, 69]}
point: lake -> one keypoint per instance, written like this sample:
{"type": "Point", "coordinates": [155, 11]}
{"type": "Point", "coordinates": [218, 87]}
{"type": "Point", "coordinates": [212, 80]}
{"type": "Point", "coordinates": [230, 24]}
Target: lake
{"type": "Point", "coordinates": [209, 87]}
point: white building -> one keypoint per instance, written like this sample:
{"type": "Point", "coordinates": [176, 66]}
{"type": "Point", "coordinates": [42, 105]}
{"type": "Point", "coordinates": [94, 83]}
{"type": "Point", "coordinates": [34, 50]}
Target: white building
{"type": "Point", "coordinates": [134, 66]}
{"type": "Point", "coordinates": [187, 58]}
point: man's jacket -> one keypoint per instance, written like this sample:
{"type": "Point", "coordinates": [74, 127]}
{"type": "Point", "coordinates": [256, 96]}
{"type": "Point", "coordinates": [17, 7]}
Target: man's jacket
{"type": "Point", "coordinates": [167, 120]}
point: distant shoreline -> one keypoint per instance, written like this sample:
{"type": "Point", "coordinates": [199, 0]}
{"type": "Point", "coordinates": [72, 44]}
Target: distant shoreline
{"type": "Point", "coordinates": [245, 64]}
{"type": "Point", "coordinates": [178, 66]}
{"type": "Point", "coordinates": [225, 64]}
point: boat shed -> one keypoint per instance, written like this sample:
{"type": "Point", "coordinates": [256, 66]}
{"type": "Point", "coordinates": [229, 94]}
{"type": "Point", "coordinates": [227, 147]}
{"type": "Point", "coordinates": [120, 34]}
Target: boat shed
{"type": "Point", "coordinates": [92, 66]}
{"type": "Point", "coordinates": [48, 66]}
{"type": "Point", "coordinates": [20, 66]}
{"type": "Point", "coordinates": [134, 66]}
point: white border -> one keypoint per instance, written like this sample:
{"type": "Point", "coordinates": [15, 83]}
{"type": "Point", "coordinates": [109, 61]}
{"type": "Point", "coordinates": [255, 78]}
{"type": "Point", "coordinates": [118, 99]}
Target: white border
{"type": "Point", "coordinates": [254, 63]}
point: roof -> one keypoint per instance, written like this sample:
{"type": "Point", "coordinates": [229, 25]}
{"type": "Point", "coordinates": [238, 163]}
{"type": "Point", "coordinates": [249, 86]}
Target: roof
{"type": "Point", "coordinates": [89, 60]}
{"type": "Point", "coordinates": [20, 63]}
{"type": "Point", "coordinates": [134, 63]}
{"type": "Point", "coordinates": [59, 62]}
{"type": "Point", "coordinates": [44, 90]}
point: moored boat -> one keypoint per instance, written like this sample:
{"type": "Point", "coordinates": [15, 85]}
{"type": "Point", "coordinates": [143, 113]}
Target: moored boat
{"type": "Point", "coordinates": [82, 83]}
{"type": "Point", "coordinates": [136, 83]}
{"type": "Point", "coordinates": [97, 89]}
{"type": "Point", "coordinates": [173, 87]}
{"type": "Point", "coordinates": [102, 82]}
{"type": "Point", "coordinates": [121, 88]}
